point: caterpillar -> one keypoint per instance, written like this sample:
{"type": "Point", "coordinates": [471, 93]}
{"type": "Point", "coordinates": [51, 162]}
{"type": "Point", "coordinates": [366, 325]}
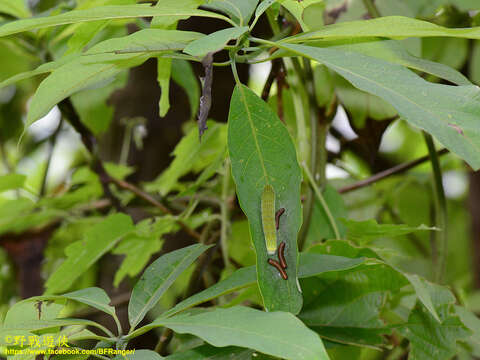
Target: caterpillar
{"type": "Point", "coordinates": [268, 219]}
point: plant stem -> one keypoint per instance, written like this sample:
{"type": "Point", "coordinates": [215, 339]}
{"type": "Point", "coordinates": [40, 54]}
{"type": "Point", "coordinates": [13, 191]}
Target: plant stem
{"type": "Point", "coordinates": [324, 204]}
{"type": "Point", "coordinates": [441, 217]}
{"type": "Point", "coordinates": [225, 224]}
{"type": "Point", "coordinates": [389, 172]}
{"type": "Point", "coordinates": [371, 8]}
{"type": "Point", "coordinates": [51, 147]}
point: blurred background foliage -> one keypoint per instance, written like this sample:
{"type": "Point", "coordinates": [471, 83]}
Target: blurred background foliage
{"type": "Point", "coordinates": [49, 196]}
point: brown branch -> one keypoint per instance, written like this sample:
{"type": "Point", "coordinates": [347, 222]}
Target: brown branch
{"type": "Point", "coordinates": [276, 66]}
{"type": "Point", "coordinates": [150, 199]}
{"type": "Point", "coordinates": [389, 172]}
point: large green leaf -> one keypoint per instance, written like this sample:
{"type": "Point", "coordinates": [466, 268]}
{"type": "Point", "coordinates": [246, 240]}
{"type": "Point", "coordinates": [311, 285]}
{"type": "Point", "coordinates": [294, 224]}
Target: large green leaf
{"type": "Point", "coordinates": [157, 278]}
{"type": "Point", "coordinates": [77, 75]}
{"type": "Point", "coordinates": [213, 353]}
{"type": "Point", "coordinates": [450, 113]}
{"type": "Point", "coordinates": [215, 41]}
{"type": "Point", "coordinates": [430, 340]}
{"type": "Point", "coordinates": [262, 152]}
{"type": "Point", "coordinates": [388, 26]}
{"type": "Point", "coordinates": [146, 40]}
{"type": "Point", "coordinates": [140, 355]}
{"type": "Point", "coordinates": [394, 52]}
{"type": "Point", "coordinates": [275, 333]}
{"type": "Point", "coordinates": [100, 13]}
{"type": "Point", "coordinates": [82, 254]}
{"type": "Point", "coordinates": [239, 10]}
{"type": "Point", "coordinates": [310, 265]}
{"type": "Point", "coordinates": [346, 307]}
{"type": "Point", "coordinates": [94, 297]}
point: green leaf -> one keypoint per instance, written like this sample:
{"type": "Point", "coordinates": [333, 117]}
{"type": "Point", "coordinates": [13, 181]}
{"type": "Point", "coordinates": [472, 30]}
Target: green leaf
{"type": "Point", "coordinates": [42, 69]}
{"type": "Point", "coordinates": [214, 42]}
{"type": "Point", "coordinates": [192, 155]}
{"type": "Point", "coordinates": [16, 8]}
{"type": "Point", "coordinates": [164, 68]}
{"type": "Point", "coordinates": [472, 322]}
{"type": "Point", "coordinates": [387, 26]}
{"type": "Point", "coordinates": [100, 13]}
{"type": "Point", "coordinates": [447, 112]}
{"type": "Point", "coordinates": [239, 10]}
{"type": "Point", "coordinates": [213, 353]}
{"type": "Point", "coordinates": [313, 16]}
{"type": "Point", "coordinates": [320, 227]}
{"type": "Point", "coordinates": [77, 75]}
{"type": "Point", "coordinates": [141, 355]}
{"type": "Point", "coordinates": [364, 231]}
{"type": "Point", "coordinates": [183, 75]}
{"type": "Point", "coordinates": [310, 265]}
{"type": "Point", "coordinates": [393, 51]}
{"type": "Point", "coordinates": [350, 301]}
{"type": "Point", "coordinates": [141, 245]}
{"type": "Point", "coordinates": [171, 21]}
{"type": "Point", "coordinates": [262, 152]}
{"type": "Point", "coordinates": [297, 8]}
{"type": "Point", "coordinates": [275, 333]}
{"type": "Point", "coordinates": [11, 181]}
{"type": "Point", "coordinates": [82, 254]}
{"type": "Point", "coordinates": [157, 278]}
{"type": "Point", "coordinates": [32, 309]}
{"type": "Point", "coordinates": [430, 340]}
{"type": "Point", "coordinates": [146, 40]}
{"type": "Point", "coordinates": [94, 297]}
{"type": "Point", "coordinates": [34, 325]}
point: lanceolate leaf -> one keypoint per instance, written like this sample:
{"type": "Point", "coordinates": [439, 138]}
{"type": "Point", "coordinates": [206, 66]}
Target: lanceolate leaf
{"type": "Point", "coordinates": [393, 51]}
{"type": "Point", "coordinates": [450, 113]}
{"type": "Point", "coordinates": [157, 279]}
{"type": "Point", "coordinates": [239, 10]}
{"type": "Point", "coordinates": [262, 153]}
{"type": "Point", "coordinates": [77, 75]}
{"type": "Point", "coordinates": [94, 297]}
{"type": "Point", "coordinates": [387, 26]}
{"type": "Point", "coordinates": [100, 13]}
{"type": "Point", "coordinates": [214, 42]}
{"type": "Point", "coordinates": [276, 333]}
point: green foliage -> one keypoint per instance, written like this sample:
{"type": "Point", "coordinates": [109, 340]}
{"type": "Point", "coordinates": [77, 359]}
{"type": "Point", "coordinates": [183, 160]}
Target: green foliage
{"type": "Point", "coordinates": [262, 153]}
{"type": "Point", "coordinates": [187, 250]}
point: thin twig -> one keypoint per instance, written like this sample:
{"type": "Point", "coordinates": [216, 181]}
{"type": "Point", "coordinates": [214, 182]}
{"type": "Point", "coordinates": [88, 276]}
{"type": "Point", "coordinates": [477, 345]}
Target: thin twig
{"type": "Point", "coordinates": [51, 147]}
{"type": "Point", "coordinates": [389, 172]}
{"type": "Point", "coordinates": [324, 204]}
{"type": "Point", "coordinates": [150, 199]}
{"type": "Point", "coordinates": [441, 218]}
{"type": "Point", "coordinates": [224, 210]}
{"type": "Point", "coordinates": [371, 8]}
{"type": "Point", "coordinates": [276, 66]}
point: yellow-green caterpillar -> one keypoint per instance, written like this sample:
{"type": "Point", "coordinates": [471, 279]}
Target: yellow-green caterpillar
{"type": "Point", "coordinates": [268, 219]}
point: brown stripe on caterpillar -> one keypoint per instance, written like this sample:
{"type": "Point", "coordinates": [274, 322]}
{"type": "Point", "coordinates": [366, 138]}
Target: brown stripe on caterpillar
{"type": "Point", "coordinates": [281, 255]}
{"type": "Point", "coordinates": [276, 265]}
{"type": "Point", "coordinates": [277, 217]}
